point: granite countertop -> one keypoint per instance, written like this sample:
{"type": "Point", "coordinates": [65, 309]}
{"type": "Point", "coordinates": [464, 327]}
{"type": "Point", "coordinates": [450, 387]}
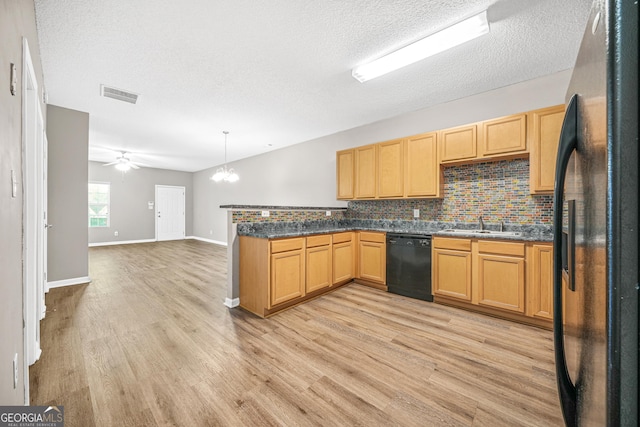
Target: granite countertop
{"type": "Point", "coordinates": [273, 230]}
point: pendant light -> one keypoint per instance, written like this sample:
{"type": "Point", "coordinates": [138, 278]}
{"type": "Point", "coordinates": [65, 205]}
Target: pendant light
{"type": "Point", "coordinates": [224, 174]}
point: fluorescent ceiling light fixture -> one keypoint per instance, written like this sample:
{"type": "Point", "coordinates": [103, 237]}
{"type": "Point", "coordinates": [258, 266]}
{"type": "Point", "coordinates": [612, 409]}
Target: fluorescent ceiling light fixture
{"type": "Point", "coordinates": [452, 36]}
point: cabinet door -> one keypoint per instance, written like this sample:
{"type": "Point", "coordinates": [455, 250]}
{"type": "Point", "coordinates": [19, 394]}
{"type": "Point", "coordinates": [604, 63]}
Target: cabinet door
{"type": "Point", "coordinates": [287, 277]}
{"type": "Point", "coordinates": [541, 287]}
{"type": "Point", "coordinates": [345, 174]}
{"type": "Point", "coordinates": [501, 282]}
{"type": "Point", "coordinates": [504, 135]}
{"type": "Point", "coordinates": [422, 171]}
{"type": "Point", "coordinates": [390, 168]}
{"type": "Point", "coordinates": [372, 261]}
{"type": "Point", "coordinates": [343, 262]}
{"type": "Point", "coordinates": [458, 143]}
{"type": "Point", "coordinates": [318, 268]}
{"type": "Point", "coordinates": [545, 126]}
{"type": "Point", "coordinates": [366, 167]}
{"type": "Point", "coordinates": [452, 274]}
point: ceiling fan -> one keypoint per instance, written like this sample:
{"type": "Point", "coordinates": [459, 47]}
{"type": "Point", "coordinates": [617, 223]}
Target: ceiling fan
{"type": "Point", "coordinates": [123, 163]}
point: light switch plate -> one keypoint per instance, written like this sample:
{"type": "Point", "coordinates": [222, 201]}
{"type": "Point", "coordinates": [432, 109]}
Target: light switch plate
{"type": "Point", "coordinates": [14, 185]}
{"type": "Point", "coordinates": [416, 213]}
{"type": "Point", "coordinates": [14, 80]}
{"type": "Point", "coordinates": [15, 370]}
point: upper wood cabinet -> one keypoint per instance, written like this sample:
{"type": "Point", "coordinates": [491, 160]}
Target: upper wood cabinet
{"type": "Point", "coordinates": [390, 168]}
{"type": "Point", "coordinates": [345, 169]}
{"type": "Point", "coordinates": [544, 135]}
{"type": "Point", "coordinates": [458, 143]}
{"type": "Point", "coordinates": [422, 172]}
{"type": "Point", "coordinates": [366, 168]}
{"type": "Point", "coordinates": [506, 135]}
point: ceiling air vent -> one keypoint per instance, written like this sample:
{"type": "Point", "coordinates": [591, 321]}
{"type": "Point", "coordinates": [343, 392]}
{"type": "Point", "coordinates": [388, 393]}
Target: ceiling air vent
{"type": "Point", "coordinates": [119, 94]}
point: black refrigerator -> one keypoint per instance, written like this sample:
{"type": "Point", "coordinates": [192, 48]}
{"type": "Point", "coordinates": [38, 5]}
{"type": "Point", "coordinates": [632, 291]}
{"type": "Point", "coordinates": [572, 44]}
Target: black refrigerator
{"type": "Point", "coordinates": [596, 225]}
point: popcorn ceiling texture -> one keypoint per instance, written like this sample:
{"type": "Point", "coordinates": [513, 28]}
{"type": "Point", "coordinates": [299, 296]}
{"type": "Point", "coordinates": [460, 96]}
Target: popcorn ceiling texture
{"type": "Point", "coordinates": [499, 191]}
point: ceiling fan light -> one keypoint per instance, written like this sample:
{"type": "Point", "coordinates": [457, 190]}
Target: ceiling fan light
{"type": "Point", "coordinates": [123, 166]}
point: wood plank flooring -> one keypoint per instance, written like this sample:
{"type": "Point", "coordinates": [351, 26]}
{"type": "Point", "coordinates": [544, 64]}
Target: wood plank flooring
{"type": "Point", "coordinates": [149, 343]}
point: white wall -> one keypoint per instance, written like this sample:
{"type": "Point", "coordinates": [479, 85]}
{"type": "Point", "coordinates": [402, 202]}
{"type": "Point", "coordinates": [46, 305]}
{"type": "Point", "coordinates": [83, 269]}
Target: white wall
{"type": "Point", "coordinates": [130, 194]}
{"type": "Point", "coordinates": [304, 174]}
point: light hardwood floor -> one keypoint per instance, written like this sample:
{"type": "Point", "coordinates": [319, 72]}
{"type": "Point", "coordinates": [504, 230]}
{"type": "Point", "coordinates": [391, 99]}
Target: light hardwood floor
{"type": "Point", "coordinates": [149, 343]}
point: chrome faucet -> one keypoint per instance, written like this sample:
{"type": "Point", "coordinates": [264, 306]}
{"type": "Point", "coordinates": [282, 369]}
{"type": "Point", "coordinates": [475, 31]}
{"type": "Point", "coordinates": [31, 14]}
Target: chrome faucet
{"type": "Point", "coordinates": [480, 223]}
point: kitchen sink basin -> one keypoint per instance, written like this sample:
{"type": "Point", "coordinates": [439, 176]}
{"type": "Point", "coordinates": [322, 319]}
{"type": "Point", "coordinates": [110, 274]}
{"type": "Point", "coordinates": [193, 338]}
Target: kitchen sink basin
{"type": "Point", "coordinates": [488, 232]}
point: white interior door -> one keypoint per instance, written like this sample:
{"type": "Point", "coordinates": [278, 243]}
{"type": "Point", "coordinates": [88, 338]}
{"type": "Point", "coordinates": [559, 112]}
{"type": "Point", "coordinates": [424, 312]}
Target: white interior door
{"type": "Point", "coordinates": [34, 206]}
{"type": "Point", "coordinates": [170, 212]}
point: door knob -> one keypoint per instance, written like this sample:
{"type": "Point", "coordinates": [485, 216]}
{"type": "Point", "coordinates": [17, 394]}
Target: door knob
{"type": "Point", "coordinates": [48, 226]}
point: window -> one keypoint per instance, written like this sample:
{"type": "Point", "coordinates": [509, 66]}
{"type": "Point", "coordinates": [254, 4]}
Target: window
{"type": "Point", "coordinates": [99, 204]}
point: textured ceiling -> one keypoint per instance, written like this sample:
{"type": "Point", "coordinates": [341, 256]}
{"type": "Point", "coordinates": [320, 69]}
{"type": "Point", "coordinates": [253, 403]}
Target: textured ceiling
{"type": "Point", "coordinates": [276, 72]}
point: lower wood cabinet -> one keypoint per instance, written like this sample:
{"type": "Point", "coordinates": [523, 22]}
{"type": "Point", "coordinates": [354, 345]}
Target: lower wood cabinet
{"type": "Point", "coordinates": [540, 296]}
{"type": "Point", "coordinates": [318, 263]}
{"type": "Point", "coordinates": [502, 278]}
{"type": "Point", "coordinates": [501, 275]}
{"type": "Point", "coordinates": [275, 274]}
{"type": "Point", "coordinates": [287, 277]}
{"type": "Point", "coordinates": [451, 268]}
{"type": "Point", "coordinates": [372, 257]}
{"type": "Point", "coordinates": [343, 257]}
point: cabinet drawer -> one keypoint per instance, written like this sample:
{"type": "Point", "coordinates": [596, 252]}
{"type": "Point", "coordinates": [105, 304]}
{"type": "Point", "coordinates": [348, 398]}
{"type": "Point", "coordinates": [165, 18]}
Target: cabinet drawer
{"type": "Point", "coordinates": [366, 236]}
{"type": "Point", "coordinates": [342, 237]}
{"type": "Point", "coordinates": [321, 240]}
{"type": "Point", "coordinates": [287, 245]}
{"type": "Point", "coordinates": [501, 248]}
{"type": "Point", "coordinates": [452, 243]}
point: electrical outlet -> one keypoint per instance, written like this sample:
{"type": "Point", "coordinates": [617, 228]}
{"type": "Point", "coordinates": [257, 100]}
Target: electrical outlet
{"type": "Point", "coordinates": [265, 213]}
{"type": "Point", "coordinates": [416, 213]}
{"type": "Point", "coordinates": [115, 233]}
{"type": "Point", "coordinates": [15, 370]}
{"type": "Point", "coordinates": [328, 213]}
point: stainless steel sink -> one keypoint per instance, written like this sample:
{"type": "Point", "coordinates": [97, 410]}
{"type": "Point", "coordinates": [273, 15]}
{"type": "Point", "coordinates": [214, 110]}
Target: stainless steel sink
{"type": "Point", "coordinates": [488, 232]}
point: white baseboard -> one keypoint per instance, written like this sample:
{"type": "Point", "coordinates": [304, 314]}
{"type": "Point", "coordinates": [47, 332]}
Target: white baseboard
{"type": "Point", "coordinates": [231, 303]}
{"type": "Point", "coordinates": [202, 239]}
{"type": "Point", "coordinates": [69, 282]}
{"type": "Point", "coordinates": [121, 242]}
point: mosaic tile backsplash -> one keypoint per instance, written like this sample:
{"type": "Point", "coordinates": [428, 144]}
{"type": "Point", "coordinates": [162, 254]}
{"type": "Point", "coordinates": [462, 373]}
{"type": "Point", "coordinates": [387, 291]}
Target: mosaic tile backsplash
{"type": "Point", "coordinates": [243, 216]}
{"type": "Point", "coordinates": [499, 191]}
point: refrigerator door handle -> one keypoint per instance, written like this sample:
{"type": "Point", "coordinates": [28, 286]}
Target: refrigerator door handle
{"type": "Point", "coordinates": [568, 142]}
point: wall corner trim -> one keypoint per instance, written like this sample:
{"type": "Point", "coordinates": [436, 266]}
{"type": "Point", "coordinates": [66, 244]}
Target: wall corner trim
{"type": "Point", "coordinates": [232, 303]}
{"type": "Point", "coordinates": [202, 239]}
{"type": "Point", "coordinates": [69, 282]}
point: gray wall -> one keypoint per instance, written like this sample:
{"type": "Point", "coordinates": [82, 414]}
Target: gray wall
{"type": "Point", "coordinates": [68, 134]}
{"type": "Point", "coordinates": [130, 194]}
{"type": "Point", "coordinates": [17, 19]}
{"type": "Point", "coordinates": [304, 174]}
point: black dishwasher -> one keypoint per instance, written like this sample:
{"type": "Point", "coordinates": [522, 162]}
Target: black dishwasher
{"type": "Point", "coordinates": [409, 265]}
